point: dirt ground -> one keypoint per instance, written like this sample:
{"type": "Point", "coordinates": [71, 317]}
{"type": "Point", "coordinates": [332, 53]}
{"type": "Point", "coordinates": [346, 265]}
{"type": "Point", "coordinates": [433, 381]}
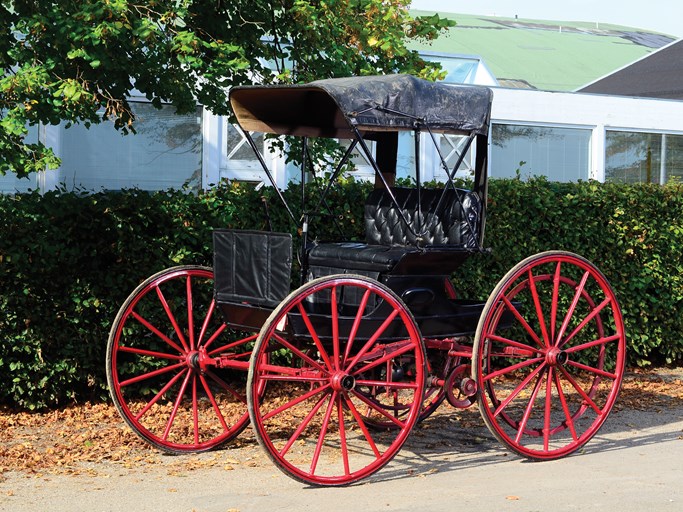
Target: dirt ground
{"type": "Point", "coordinates": [85, 458]}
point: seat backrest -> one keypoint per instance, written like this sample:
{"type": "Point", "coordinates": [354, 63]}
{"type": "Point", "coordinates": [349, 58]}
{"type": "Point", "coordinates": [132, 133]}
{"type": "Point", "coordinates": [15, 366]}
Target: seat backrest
{"type": "Point", "coordinates": [456, 223]}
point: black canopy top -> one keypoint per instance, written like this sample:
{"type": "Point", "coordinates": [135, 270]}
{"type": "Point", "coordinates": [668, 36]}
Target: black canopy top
{"type": "Point", "coordinates": [329, 108]}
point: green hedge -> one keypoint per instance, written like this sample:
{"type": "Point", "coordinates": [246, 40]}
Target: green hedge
{"type": "Point", "coordinates": [68, 260]}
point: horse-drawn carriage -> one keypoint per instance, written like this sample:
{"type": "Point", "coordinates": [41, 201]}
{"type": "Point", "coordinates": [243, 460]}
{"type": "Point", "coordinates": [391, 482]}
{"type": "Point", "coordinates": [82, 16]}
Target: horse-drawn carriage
{"type": "Point", "coordinates": [334, 375]}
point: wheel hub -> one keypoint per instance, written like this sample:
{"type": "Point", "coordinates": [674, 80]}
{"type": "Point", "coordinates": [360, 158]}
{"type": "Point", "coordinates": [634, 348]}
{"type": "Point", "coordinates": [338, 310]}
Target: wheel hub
{"type": "Point", "coordinates": [343, 381]}
{"type": "Point", "coordinates": [198, 360]}
{"type": "Point", "coordinates": [556, 357]}
{"type": "Point", "coordinates": [193, 360]}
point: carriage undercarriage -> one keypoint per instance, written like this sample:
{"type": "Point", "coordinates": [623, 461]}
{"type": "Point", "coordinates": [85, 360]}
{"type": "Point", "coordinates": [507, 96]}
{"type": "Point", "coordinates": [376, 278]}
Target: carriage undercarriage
{"type": "Point", "coordinates": [334, 375]}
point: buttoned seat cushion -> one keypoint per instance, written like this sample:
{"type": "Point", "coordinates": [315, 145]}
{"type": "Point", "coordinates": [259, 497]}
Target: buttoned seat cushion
{"type": "Point", "coordinates": [445, 227]}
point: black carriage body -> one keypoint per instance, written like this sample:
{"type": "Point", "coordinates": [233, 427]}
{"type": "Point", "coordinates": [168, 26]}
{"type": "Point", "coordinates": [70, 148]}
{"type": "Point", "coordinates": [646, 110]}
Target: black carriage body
{"type": "Point", "coordinates": [415, 237]}
{"type": "Point", "coordinates": [414, 259]}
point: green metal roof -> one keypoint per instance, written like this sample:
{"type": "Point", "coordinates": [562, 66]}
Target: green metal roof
{"type": "Point", "coordinates": [550, 55]}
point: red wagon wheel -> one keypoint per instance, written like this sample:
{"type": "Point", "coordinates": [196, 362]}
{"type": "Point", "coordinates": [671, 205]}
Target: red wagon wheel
{"type": "Point", "coordinates": [329, 341]}
{"type": "Point", "coordinates": [549, 355]}
{"type": "Point", "coordinates": [163, 366]}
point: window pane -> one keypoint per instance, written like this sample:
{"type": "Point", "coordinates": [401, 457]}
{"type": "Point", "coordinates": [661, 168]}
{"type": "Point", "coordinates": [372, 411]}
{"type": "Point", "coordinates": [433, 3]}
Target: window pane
{"type": "Point", "coordinates": [459, 70]}
{"type": "Point", "coordinates": [9, 183]}
{"type": "Point", "coordinates": [238, 147]}
{"type": "Point", "coordinates": [674, 157]}
{"type": "Point", "coordinates": [452, 147]}
{"type": "Point", "coordinates": [362, 168]}
{"type": "Point", "coordinates": [632, 157]}
{"type": "Point", "coordinates": [164, 153]}
{"type": "Point", "coordinates": [241, 164]}
{"type": "Point", "coordinates": [561, 154]}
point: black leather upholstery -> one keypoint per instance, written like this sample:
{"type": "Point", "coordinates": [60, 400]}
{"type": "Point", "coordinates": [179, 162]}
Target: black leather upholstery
{"type": "Point", "coordinates": [435, 237]}
{"type": "Point", "coordinates": [384, 225]}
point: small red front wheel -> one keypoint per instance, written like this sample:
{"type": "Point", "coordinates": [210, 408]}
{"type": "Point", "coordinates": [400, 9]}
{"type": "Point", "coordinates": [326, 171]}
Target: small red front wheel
{"type": "Point", "coordinates": [329, 342]}
{"type": "Point", "coordinates": [162, 366]}
{"type": "Point", "coordinates": [549, 355]}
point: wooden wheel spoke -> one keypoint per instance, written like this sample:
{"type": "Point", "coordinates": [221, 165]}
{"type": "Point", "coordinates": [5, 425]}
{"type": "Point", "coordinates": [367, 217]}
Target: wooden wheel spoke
{"type": "Point", "coordinates": [548, 407]}
{"type": "Point", "coordinates": [159, 394]}
{"type": "Point", "coordinates": [529, 407]}
{"type": "Point", "coordinates": [314, 336]}
{"type": "Point", "coordinates": [160, 334]}
{"type": "Point", "coordinates": [212, 399]}
{"type": "Point", "coordinates": [335, 328]}
{"type": "Point", "coordinates": [342, 435]}
{"type": "Point", "coordinates": [154, 373]}
{"type": "Point", "coordinates": [381, 360]}
{"type": "Point", "coordinates": [229, 346]}
{"type": "Point", "coordinates": [373, 339]}
{"type": "Point", "coordinates": [323, 433]}
{"type": "Point", "coordinates": [581, 392]}
{"type": "Point", "coordinates": [539, 309]}
{"type": "Point", "coordinates": [176, 406]}
{"type": "Point", "coordinates": [150, 353]}
{"type": "Point", "coordinates": [522, 321]}
{"type": "Point", "coordinates": [565, 407]}
{"type": "Point", "coordinates": [556, 292]}
{"type": "Point", "coordinates": [590, 369]}
{"type": "Point", "coordinates": [304, 423]}
{"type": "Point", "coordinates": [214, 337]}
{"type": "Point", "coordinates": [190, 312]}
{"type": "Point", "coordinates": [378, 408]}
{"type": "Point", "coordinates": [512, 369]}
{"type": "Point", "coordinates": [572, 307]}
{"type": "Point", "coordinates": [205, 323]}
{"type": "Point", "coordinates": [296, 401]}
{"type": "Point", "coordinates": [172, 319]}
{"type": "Point", "coordinates": [356, 324]}
{"type": "Point", "coordinates": [594, 312]}
{"type": "Point", "coordinates": [522, 346]}
{"type": "Point", "coordinates": [296, 351]}
{"type": "Point", "coordinates": [594, 343]}
{"type": "Point", "coordinates": [517, 390]}
{"type": "Point", "coordinates": [195, 410]}
{"type": "Point", "coordinates": [227, 387]}
{"type": "Point", "coordinates": [363, 426]}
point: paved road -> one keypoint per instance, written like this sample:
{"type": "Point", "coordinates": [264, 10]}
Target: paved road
{"type": "Point", "coordinates": [634, 464]}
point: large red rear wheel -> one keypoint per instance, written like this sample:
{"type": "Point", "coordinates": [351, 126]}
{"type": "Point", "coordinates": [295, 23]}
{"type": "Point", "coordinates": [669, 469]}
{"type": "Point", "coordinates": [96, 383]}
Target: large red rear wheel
{"type": "Point", "coordinates": [176, 372]}
{"type": "Point", "coordinates": [329, 342]}
{"type": "Point", "coordinates": [549, 355]}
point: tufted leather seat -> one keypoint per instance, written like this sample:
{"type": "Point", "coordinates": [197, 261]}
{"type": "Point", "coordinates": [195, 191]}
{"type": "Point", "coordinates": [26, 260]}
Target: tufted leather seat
{"type": "Point", "coordinates": [436, 235]}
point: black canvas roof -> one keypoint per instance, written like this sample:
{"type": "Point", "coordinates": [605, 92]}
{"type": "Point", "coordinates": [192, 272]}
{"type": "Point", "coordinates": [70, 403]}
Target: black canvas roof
{"type": "Point", "coordinates": [659, 75]}
{"type": "Point", "coordinates": [329, 108]}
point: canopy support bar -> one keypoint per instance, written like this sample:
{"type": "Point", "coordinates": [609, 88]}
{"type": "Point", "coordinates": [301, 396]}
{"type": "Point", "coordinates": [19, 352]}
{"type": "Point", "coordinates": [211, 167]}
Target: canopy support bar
{"type": "Point", "coordinates": [451, 175]}
{"type": "Point", "coordinates": [379, 174]}
{"type": "Point", "coordinates": [251, 142]}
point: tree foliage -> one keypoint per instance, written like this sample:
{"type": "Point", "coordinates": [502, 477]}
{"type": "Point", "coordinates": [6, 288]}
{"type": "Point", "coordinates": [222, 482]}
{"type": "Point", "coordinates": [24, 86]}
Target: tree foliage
{"type": "Point", "coordinates": [80, 60]}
